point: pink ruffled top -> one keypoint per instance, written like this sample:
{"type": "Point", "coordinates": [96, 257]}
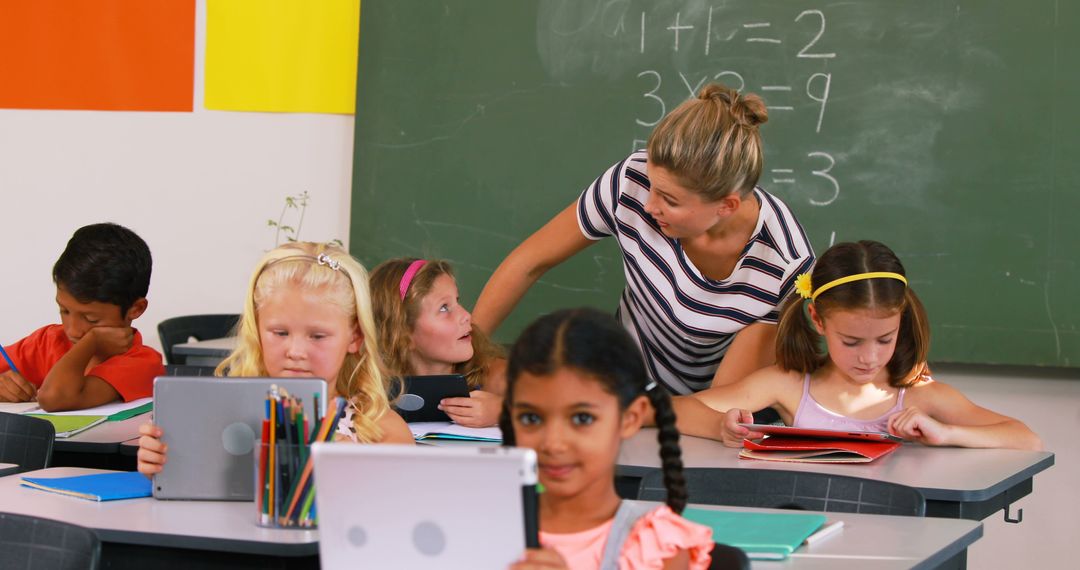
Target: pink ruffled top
{"type": "Point", "coordinates": [657, 536]}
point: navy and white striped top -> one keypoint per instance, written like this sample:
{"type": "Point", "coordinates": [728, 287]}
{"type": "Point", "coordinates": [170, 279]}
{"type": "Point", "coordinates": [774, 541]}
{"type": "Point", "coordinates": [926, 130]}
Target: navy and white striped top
{"type": "Point", "coordinates": [683, 321]}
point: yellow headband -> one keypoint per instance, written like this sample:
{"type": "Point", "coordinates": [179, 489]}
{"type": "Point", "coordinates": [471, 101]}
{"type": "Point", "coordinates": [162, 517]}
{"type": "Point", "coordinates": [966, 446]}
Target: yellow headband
{"type": "Point", "coordinates": [806, 290]}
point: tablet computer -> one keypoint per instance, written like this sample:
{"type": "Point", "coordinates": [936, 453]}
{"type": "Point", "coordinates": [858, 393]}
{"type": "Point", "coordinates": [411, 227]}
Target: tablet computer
{"type": "Point", "coordinates": [420, 402]}
{"type": "Point", "coordinates": [403, 506]}
{"type": "Point", "coordinates": [788, 431]}
{"type": "Point", "coordinates": [212, 426]}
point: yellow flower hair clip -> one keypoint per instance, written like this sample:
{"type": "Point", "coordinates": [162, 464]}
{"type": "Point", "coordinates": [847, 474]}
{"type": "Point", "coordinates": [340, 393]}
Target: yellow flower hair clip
{"type": "Point", "coordinates": [803, 286]}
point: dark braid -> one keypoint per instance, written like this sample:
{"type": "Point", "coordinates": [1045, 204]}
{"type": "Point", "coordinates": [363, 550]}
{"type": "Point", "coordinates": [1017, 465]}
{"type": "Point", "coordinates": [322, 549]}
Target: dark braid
{"type": "Point", "coordinates": [595, 343]}
{"type": "Point", "coordinates": [670, 452]}
{"type": "Point", "coordinates": [506, 424]}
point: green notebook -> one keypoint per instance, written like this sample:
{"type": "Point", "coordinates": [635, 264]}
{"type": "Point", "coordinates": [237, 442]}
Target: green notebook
{"type": "Point", "coordinates": [67, 426]}
{"type": "Point", "coordinates": [769, 536]}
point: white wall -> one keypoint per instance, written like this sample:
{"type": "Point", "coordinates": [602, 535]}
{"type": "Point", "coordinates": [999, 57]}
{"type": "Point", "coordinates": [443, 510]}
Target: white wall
{"type": "Point", "coordinates": [198, 187]}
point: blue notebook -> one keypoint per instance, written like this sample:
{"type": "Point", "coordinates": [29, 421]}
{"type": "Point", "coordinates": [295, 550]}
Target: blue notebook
{"type": "Point", "coordinates": [766, 536]}
{"type": "Point", "coordinates": [98, 487]}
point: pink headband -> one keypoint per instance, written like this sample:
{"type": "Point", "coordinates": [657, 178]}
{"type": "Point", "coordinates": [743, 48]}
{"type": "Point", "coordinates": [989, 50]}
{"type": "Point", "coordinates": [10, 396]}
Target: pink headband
{"type": "Point", "coordinates": [406, 279]}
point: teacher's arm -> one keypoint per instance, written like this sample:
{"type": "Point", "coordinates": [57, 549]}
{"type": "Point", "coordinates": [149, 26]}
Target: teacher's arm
{"type": "Point", "coordinates": [549, 246]}
{"type": "Point", "coordinates": [754, 348]}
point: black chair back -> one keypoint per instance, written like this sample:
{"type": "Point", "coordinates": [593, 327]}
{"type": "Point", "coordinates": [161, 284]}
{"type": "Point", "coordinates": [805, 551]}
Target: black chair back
{"type": "Point", "coordinates": [26, 442]}
{"type": "Point", "coordinates": [188, 370]}
{"type": "Point", "coordinates": [178, 330]}
{"type": "Point", "coordinates": [30, 543]}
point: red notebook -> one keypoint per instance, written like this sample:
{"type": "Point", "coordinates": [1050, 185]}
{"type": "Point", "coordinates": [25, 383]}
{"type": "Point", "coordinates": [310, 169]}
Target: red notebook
{"type": "Point", "coordinates": [812, 450]}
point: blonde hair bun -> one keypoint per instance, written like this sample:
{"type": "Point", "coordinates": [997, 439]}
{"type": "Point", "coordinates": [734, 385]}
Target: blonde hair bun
{"type": "Point", "coordinates": [748, 110]}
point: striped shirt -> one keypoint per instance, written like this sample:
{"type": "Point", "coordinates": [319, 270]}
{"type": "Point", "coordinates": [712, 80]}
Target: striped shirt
{"type": "Point", "coordinates": [683, 321]}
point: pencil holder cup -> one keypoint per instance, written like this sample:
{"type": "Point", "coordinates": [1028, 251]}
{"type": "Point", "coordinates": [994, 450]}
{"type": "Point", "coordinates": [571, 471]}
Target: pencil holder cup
{"type": "Point", "coordinates": [284, 486]}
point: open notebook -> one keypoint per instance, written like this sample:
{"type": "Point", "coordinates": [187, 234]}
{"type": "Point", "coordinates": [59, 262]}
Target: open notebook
{"type": "Point", "coordinates": [423, 431]}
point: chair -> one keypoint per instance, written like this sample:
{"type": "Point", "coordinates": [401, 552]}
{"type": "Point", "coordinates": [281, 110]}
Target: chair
{"type": "Point", "coordinates": [30, 543]}
{"type": "Point", "coordinates": [26, 441]}
{"type": "Point", "coordinates": [768, 488]}
{"type": "Point", "coordinates": [178, 330]}
{"type": "Point", "coordinates": [188, 370]}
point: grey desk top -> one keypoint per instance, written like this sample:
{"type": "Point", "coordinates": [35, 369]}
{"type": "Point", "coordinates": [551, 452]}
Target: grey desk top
{"type": "Point", "coordinates": [209, 525]}
{"type": "Point", "coordinates": [866, 541]}
{"type": "Point", "coordinates": [211, 347]}
{"type": "Point", "coordinates": [105, 437]}
{"type": "Point", "coordinates": [8, 468]}
{"type": "Point", "coordinates": [941, 473]}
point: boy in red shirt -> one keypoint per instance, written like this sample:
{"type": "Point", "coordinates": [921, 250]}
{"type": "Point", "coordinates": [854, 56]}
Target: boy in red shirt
{"type": "Point", "coordinates": [94, 357]}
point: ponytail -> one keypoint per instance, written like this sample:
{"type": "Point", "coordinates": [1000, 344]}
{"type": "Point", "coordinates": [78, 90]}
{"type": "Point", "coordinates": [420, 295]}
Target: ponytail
{"type": "Point", "coordinates": [797, 342]}
{"type": "Point", "coordinates": [670, 452]}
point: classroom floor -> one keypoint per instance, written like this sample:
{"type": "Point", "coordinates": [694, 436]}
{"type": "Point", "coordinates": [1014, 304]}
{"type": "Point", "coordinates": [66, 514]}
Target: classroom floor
{"type": "Point", "coordinates": [1048, 400]}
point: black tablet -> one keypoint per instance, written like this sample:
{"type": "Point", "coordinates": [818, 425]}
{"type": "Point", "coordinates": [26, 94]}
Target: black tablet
{"type": "Point", "coordinates": [420, 402]}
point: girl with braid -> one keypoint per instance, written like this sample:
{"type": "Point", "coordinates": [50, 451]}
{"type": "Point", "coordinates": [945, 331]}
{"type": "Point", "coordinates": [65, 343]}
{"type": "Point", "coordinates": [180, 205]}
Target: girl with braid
{"type": "Point", "coordinates": [576, 388]}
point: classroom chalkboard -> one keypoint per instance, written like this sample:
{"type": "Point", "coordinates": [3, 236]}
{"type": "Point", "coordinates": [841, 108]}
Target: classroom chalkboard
{"type": "Point", "coordinates": [945, 129]}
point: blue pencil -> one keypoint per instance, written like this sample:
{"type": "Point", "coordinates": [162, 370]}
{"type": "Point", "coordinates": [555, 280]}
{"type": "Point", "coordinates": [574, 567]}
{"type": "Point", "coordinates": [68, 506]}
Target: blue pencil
{"type": "Point", "coordinates": [9, 362]}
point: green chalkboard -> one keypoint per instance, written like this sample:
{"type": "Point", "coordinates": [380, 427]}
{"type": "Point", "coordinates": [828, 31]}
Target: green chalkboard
{"type": "Point", "coordinates": [948, 130]}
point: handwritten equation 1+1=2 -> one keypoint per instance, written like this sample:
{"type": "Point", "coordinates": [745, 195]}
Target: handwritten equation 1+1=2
{"type": "Point", "coordinates": [671, 35]}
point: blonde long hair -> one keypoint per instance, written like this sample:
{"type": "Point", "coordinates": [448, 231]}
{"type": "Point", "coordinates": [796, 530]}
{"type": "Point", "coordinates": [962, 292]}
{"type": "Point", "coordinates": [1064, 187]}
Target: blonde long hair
{"type": "Point", "coordinates": [395, 318]}
{"type": "Point", "coordinates": [319, 267]}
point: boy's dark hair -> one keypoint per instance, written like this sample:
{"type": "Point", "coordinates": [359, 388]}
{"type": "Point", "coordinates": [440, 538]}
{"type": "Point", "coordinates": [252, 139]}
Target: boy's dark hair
{"type": "Point", "coordinates": [596, 344]}
{"type": "Point", "coordinates": [107, 263]}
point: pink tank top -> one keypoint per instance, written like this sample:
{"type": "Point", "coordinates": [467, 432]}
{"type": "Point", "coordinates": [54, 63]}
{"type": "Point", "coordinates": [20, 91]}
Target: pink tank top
{"type": "Point", "coordinates": [811, 414]}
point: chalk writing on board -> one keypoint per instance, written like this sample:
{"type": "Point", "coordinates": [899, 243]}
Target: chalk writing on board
{"type": "Point", "coordinates": [665, 34]}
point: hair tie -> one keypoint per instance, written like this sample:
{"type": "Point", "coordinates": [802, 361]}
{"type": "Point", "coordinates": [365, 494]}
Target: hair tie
{"type": "Point", "coordinates": [805, 288]}
{"type": "Point", "coordinates": [407, 278]}
{"type": "Point", "coordinates": [650, 386]}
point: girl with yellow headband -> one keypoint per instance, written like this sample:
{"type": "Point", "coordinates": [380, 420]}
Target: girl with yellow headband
{"type": "Point", "coordinates": [851, 355]}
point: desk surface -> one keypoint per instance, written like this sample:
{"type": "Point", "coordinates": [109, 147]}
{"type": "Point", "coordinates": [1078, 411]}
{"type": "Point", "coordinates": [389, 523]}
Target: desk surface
{"type": "Point", "coordinates": [866, 540]}
{"type": "Point", "coordinates": [226, 526]}
{"type": "Point", "coordinates": [941, 473]}
{"type": "Point", "coordinates": [8, 468]}
{"type": "Point", "coordinates": [878, 541]}
{"type": "Point", "coordinates": [211, 347]}
{"type": "Point", "coordinates": [105, 437]}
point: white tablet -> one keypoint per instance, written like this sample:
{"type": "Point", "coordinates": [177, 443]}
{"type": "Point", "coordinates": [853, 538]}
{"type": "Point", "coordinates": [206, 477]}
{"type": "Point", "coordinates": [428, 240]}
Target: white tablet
{"type": "Point", "coordinates": [212, 426]}
{"type": "Point", "coordinates": [404, 506]}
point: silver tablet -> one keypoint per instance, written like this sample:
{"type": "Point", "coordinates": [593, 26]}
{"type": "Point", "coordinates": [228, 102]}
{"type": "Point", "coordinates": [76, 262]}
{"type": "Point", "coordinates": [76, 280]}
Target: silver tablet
{"type": "Point", "coordinates": [404, 506]}
{"type": "Point", "coordinates": [212, 426]}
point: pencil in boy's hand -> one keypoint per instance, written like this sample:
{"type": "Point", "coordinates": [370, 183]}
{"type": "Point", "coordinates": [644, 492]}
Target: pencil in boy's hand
{"type": "Point", "coordinates": [8, 360]}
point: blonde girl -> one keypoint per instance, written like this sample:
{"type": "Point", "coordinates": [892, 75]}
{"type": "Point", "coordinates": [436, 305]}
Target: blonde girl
{"type": "Point", "coordinates": [423, 330]}
{"type": "Point", "coordinates": [851, 355]}
{"type": "Point", "coordinates": [307, 313]}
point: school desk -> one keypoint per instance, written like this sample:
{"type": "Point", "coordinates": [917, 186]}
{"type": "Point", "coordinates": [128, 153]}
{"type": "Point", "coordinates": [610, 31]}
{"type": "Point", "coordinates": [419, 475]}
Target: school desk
{"type": "Point", "coordinates": [158, 534]}
{"type": "Point", "coordinates": [180, 533]}
{"type": "Point", "coordinates": [205, 352]}
{"type": "Point", "coordinates": [957, 482]}
{"type": "Point", "coordinates": [880, 541]}
{"type": "Point", "coordinates": [98, 447]}
{"type": "Point", "coordinates": [8, 468]}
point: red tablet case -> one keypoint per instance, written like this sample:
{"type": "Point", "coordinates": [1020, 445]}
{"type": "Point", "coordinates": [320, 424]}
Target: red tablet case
{"type": "Point", "coordinates": [805, 450]}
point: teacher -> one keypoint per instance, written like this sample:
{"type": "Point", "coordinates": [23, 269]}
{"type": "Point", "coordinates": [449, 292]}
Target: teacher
{"type": "Point", "coordinates": [707, 254]}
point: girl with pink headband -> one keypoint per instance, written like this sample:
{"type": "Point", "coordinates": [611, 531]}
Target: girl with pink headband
{"type": "Point", "coordinates": [423, 330]}
{"type": "Point", "coordinates": [869, 374]}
